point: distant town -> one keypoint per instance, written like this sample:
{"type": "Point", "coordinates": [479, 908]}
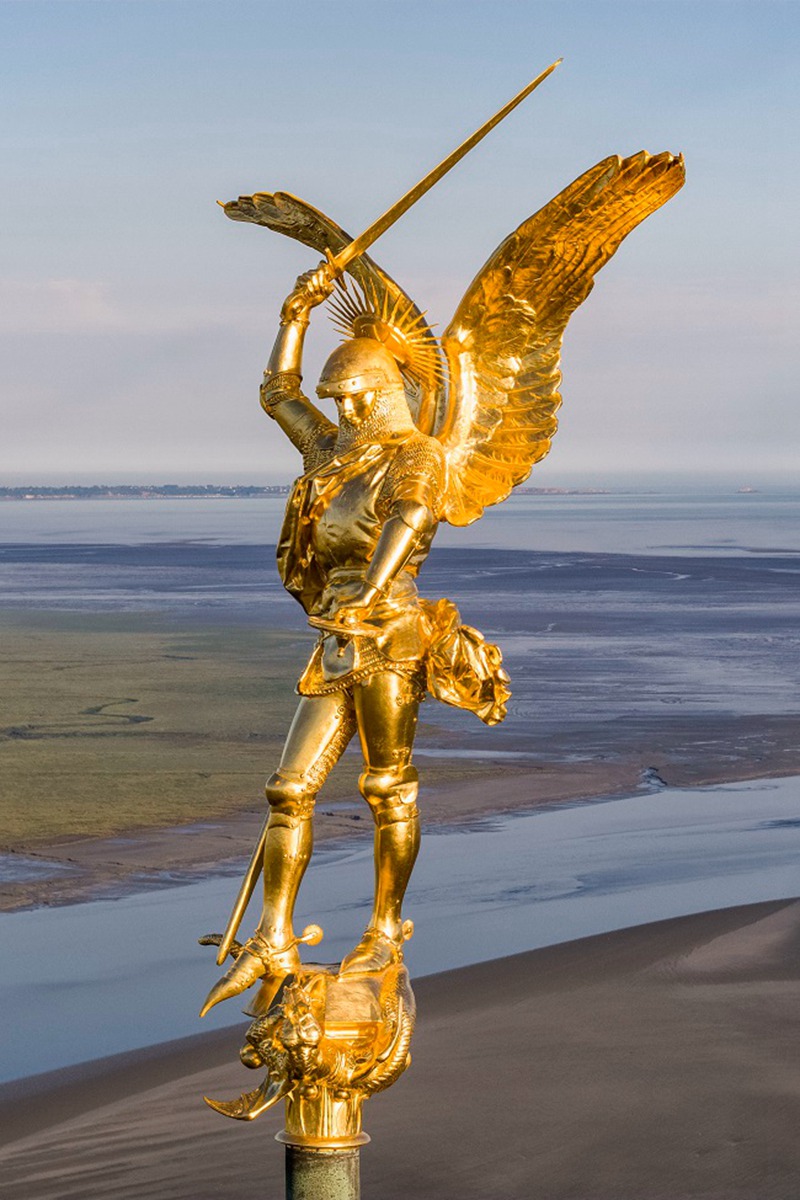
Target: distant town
{"type": "Point", "coordinates": [208, 491]}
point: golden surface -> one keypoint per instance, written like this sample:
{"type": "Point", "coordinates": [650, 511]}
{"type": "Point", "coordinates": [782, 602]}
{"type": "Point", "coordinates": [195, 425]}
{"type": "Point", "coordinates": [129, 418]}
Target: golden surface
{"type": "Point", "coordinates": [407, 451]}
{"type": "Point", "coordinates": [504, 342]}
{"type": "Point", "coordinates": [330, 1042]}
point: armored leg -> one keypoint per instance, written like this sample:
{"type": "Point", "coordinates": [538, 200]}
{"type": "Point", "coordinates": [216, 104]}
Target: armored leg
{"type": "Point", "coordinates": [386, 708]}
{"type": "Point", "coordinates": [287, 851]}
{"type": "Point", "coordinates": [320, 731]}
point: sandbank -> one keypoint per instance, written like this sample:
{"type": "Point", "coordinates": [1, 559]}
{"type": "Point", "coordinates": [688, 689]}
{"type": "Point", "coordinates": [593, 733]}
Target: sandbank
{"type": "Point", "coordinates": [655, 1063]}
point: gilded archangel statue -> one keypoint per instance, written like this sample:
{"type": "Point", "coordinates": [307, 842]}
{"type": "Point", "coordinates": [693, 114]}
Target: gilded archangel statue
{"type": "Point", "coordinates": [427, 431]}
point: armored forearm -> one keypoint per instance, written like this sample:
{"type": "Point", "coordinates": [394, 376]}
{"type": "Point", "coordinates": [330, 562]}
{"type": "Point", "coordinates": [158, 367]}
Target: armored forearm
{"type": "Point", "coordinates": [281, 397]}
{"type": "Point", "coordinates": [287, 353]}
{"type": "Point", "coordinates": [283, 375]}
{"type": "Point", "coordinates": [409, 523]}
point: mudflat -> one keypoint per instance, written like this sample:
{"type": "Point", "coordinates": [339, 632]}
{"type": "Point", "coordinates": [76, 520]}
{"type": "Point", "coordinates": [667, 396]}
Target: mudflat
{"type": "Point", "coordinates": [656, 1063]}
{"type": "Point", "coordinates": [138, 743]}
{"type": "Point", "coordinates": [137, 749]}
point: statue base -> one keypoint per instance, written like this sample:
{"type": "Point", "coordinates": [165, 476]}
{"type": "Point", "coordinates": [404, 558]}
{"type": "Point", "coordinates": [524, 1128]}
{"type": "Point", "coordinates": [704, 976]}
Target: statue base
{"type": "Point", "coordinates": [329, 1041]}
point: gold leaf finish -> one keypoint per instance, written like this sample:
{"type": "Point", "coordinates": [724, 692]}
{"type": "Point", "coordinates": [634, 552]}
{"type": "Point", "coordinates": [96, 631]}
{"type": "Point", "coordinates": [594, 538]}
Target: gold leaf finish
{"type": "Point", "coordinates": [405, 454]}
{"type": "Point", "coordinates": [504, 343]}
{"type": "Point", "coordinates": [295, 218]}
{"type": "Point", "coordinates": [330, 1041]}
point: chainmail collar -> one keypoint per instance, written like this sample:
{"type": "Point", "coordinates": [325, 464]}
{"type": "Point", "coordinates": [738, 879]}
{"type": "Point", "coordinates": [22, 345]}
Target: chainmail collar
{"type": "Point", "coordinates": [389, 418]}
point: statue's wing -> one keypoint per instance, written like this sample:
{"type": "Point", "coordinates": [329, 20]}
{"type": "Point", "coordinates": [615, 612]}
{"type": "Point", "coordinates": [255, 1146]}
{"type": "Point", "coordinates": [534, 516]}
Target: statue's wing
{"type": "Point", "coordinates": [289, 215]}
{"type": "Point", "coordinates": [504, 342]}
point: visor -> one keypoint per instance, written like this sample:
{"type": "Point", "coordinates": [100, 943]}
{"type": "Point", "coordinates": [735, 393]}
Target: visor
{"type": "Point", "coordinates": [365, 381]}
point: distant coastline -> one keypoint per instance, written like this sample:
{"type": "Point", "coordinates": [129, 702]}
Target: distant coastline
{"type": "Point", "coordinates": [133, 491]}
{"type": "Point", "coordinates": [210, 491]}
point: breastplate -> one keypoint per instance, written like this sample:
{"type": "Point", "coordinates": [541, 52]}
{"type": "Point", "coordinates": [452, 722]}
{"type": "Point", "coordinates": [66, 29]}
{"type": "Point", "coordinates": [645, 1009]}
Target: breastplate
{"type": "Point", "coordinates": [347, 532]}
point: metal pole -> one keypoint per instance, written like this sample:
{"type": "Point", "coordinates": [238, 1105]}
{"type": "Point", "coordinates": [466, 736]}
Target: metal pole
{"type": "Point", "coordinates": [314, 1173]}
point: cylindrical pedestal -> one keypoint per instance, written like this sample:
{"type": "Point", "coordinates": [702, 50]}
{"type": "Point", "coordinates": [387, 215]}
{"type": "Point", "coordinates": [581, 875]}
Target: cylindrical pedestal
{"type": "Point", "coordinates": [313, 1173]}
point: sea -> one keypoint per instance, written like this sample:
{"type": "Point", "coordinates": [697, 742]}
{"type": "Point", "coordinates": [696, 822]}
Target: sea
{"type": "Point", "coordinates": [625, 613]}
{"type": "Point", "coordinates": [687, 517]}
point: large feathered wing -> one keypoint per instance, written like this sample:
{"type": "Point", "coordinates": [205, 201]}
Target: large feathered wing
{"type": "Point", "coordinates": [503, 344]}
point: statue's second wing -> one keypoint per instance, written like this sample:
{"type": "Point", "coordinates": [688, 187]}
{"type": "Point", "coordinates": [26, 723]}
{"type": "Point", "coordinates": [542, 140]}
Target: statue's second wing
{"type": "Point", "coordinates": [289, 215]}
{"type": "Point", "coordinates": [503, 344]}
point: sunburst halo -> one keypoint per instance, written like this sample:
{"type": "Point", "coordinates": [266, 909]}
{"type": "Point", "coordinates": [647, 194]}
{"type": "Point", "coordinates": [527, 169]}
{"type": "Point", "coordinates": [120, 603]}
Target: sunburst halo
{"type": "Point", "coordinates": [359, 312]}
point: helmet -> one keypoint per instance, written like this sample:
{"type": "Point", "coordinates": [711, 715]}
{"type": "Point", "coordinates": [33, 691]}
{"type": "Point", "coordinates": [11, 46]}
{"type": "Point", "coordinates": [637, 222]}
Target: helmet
{"type": "Point", "coordinates": [359, 365]}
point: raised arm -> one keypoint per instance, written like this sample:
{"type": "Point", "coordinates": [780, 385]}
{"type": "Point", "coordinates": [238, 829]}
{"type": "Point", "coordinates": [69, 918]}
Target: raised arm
{"type": "Point", "coordinates": [281, 398]}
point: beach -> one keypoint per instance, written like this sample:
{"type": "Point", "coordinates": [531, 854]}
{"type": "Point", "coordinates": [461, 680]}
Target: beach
{"type": "Point", "coordinates": [596, 898]}
{"type": "Point", "coordinates": [656, 1063]}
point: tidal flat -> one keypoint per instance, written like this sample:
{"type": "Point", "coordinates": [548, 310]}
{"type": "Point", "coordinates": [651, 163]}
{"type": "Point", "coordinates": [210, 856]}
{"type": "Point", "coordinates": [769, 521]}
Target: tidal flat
{"type": "Point", "coordinates": [646, 1064]}
{"type": "Point", "coordinates": [148, 656]}
{"type": "Point", "coordinates": [147, 685]}
{"type": "Point", "coordinates": [121, 734]}
{"type": "Point", "coordinates": [146, 691]}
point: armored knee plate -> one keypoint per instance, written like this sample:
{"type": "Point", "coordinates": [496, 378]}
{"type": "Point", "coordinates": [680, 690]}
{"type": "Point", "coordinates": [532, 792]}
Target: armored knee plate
{"type": "Point", "coordinates": [391, 794]}
{"type": "Point", "coordinates": [290, 794]}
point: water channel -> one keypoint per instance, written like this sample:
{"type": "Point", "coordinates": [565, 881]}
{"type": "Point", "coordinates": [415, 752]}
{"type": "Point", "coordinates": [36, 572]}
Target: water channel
{"type": "Point", "coordinates": [96, 978]}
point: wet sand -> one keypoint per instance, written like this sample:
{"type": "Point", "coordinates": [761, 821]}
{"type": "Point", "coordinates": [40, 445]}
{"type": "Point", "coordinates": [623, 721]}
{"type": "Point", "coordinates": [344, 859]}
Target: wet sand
{"type": "Point", "coordinates": [657, 1063]}
{"type": "Point", "coordinates": [140, 858]}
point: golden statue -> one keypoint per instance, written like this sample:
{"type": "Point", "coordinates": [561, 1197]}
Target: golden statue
{"type": "Point", "coordinates": [428, 430]}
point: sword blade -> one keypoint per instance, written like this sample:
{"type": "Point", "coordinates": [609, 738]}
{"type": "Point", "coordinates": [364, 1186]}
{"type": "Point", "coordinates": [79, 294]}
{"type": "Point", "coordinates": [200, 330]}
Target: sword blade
{"type": "Point", "coordinates": [243, 898]}
{"type": "Point", "coordinates": [365, 240]}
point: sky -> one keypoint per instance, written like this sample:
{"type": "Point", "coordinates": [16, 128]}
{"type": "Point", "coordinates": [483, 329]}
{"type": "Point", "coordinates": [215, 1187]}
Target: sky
{"type": "Point", "coordinates": [136, 320]}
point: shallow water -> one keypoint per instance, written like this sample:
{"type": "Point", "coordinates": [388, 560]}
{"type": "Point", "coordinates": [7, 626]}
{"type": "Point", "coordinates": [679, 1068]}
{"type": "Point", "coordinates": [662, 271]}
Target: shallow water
{"type": "Point", "coordinates": [596, 644]}
{"type": "Point", "coordinates": [694, 520]}
{"type": "Point", "coordinates": [15, 868]}
{"type": "Point", "coordinates": [93, 979]}
{"type": "Point", "coordinates": [616, 613]}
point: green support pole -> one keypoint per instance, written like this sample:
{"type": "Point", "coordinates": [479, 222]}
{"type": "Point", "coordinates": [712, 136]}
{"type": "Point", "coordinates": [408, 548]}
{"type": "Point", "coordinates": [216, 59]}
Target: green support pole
{"type": "Point", "coordinates": [317, 1174]}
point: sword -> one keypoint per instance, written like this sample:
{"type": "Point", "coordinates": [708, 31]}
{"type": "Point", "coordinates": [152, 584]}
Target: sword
{"type": "Point", "coordinates": [246, 890]}
{"type": "Point", "coordinates": [339, 261]}
{"type": "Point", "coordinates": [337, 264]}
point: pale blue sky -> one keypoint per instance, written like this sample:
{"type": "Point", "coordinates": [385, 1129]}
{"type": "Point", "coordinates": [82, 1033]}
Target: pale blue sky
{"type": "Point", "coordinates": [136, 320]}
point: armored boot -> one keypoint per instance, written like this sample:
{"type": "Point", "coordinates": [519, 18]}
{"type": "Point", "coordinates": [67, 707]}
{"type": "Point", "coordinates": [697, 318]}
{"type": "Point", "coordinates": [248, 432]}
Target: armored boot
{"type": "Point", "coordinates": [271, 953]}
{"type": "Point", "coordinates": [392, 798]}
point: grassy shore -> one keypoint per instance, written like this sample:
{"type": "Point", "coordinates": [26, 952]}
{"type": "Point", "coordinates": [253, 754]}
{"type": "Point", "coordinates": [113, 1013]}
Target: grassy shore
{"type": "Point", "coordinates": [113, 723]}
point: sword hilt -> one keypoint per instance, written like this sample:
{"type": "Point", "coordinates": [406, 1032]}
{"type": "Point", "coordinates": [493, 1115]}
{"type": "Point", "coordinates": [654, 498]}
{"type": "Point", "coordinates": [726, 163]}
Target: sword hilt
{"type": "Point", "coordinates": [311, 936]}
{"type": "Point", "coordinates": [343, 631]}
